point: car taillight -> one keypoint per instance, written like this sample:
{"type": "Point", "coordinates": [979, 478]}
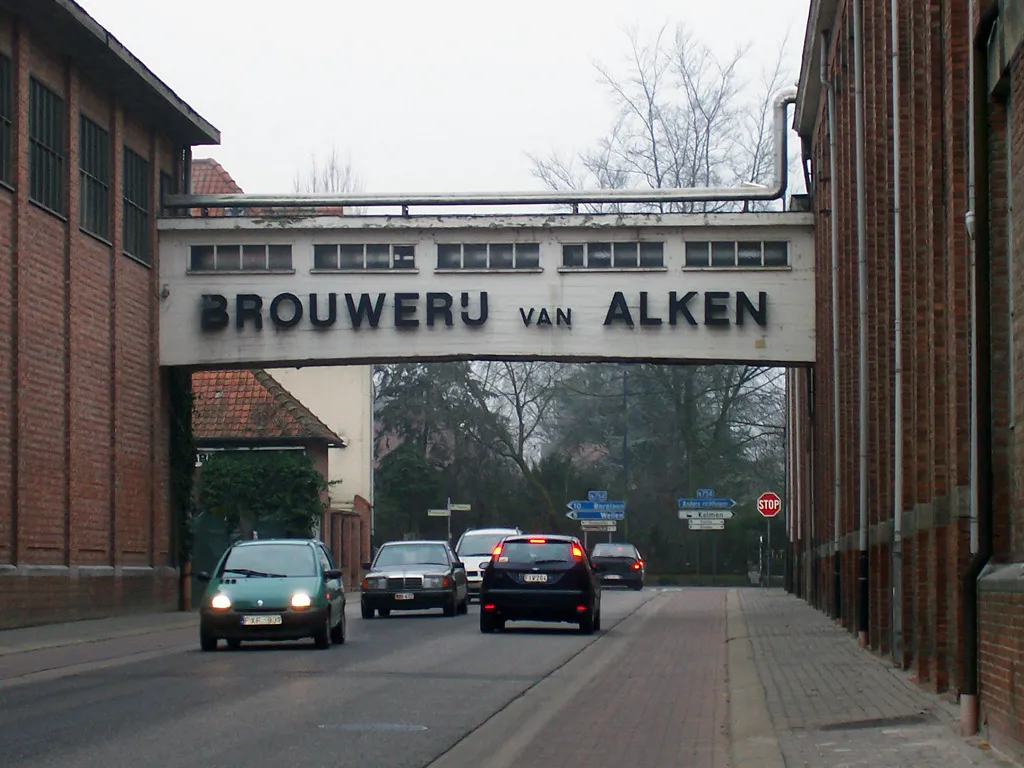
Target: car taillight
{"type": "Point", "coordinates": [489, 607]}
{"type": "Point", "coordinates": [496, 551]}
{"type": "Point", "coordinates": [577, 552]}
{"type": "Point", "coordinates": [538, 541]}
{"type": "Point", "coordinates": [637, 564]}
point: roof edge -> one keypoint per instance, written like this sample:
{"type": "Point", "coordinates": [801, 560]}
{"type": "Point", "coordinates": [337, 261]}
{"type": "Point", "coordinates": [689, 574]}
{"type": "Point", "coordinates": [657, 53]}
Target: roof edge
{"type": "Point", "coordinates": [299, 411]}
{"type": "Point", "coordinates": [118, 49]}
{"type": "Point", "coordinates": [819, 19]}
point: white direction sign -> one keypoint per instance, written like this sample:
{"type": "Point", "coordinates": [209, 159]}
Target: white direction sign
{"type": "Point", "coordinates": [461, 507]}
{"type": "Point", "coordinates": [599, 525]}
{"type": "Point", "coordinates": [437, 513]}
{"type": "Point", "coordinates": [707, 525]}
{"type": "Point", "coordinates": [706, 514]}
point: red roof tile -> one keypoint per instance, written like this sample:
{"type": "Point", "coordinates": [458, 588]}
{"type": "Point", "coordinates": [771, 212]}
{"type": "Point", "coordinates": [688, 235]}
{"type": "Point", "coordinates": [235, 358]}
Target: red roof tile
{"type": "Point", "coordinates": [233, 405]}
{"type": "Point", "coordinates": [210, 178]}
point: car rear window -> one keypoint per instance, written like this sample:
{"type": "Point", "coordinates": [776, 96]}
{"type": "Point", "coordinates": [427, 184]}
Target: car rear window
{"type": "Point", "coordinates": [275, 559]}
{"type": "Point", "coordinates": [520, 552]}
{"type": "Point", "coordinates": [614, 550]}
{"type": "Point", "coordinates": [479, 544]}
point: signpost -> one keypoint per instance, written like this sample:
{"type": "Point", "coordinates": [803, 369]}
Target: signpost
{"type": "Point", "coordinates": [769, 505]}
{"type": "Point", "coordinates": [706, 525]}
{"type": "Point", "coordinates": [596, 510]}
{"type": "Point", "coordinates": [447, 512]}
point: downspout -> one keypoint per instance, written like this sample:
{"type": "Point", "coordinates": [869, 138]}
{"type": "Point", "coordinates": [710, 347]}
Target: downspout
{"type": "Point", "coordinates": [897, 474]}
{"type": "Point", "coordinates": [981, 363]}
{"type": "Point", "coordinates": [837, 564]}
{"type": "Point", "coordinates": [862, 311]}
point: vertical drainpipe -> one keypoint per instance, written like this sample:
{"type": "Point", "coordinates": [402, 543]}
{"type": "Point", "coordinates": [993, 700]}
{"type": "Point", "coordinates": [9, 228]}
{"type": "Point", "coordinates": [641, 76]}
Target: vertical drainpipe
{"type": "Point", "coordinates": [896, 622]}
{"type": "Point", "coordinates": [862, 312]}
{"type": "Point", "coordinates": [981, 368]}
{"type": "Point", "coordinates": [837, 564]}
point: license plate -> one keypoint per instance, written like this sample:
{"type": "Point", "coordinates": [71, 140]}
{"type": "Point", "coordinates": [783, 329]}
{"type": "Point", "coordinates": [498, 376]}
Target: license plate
{"type": "Point", "coordinates": [403, 596]}
{"type": "Point", "coordinates": [536, 577]}
{"type": "Point", "coordinates": [260, 621]}
{"type": "Point", "coordinates": [612, 576]}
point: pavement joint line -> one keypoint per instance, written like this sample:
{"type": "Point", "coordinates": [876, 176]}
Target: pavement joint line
{"type": "Point", "coordinates": [58, 672]}
{"type": "Point", "coordinates": [476, 748]}
{"type": "Point", "coordinates": [753, 742]}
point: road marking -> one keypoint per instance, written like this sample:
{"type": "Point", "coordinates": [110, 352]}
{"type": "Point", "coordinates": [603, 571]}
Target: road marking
{"type": "Point", "coordinates": [501, 738]}
{"type": "Point", "coordinates": [55, 673]}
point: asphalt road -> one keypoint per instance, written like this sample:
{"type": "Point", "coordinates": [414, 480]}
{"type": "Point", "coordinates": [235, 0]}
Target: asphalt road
{"type": "Point", "coordinates": [400, 692]}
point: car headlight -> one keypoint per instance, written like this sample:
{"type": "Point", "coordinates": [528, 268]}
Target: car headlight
{"type": "Point", "coordinates": [220, 602]}
{"type": "Point", "coordinates": [374, 583]}
{"type": "Point", "coordinates": [301, 600]}
{"type": "Point", "coordinates": [433, 582]}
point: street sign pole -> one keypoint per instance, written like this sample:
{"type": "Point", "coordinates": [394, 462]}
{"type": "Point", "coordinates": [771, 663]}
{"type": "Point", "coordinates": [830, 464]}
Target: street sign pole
{"type": "Point", "coordinates": [768, 581]}
{"type": "Point", "coordinates": [448, 506]}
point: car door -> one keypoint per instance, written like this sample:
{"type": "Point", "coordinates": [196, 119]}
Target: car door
{"type": "Point", "coordinates": [335, 587]}
{"type": "Point", "coordinates": [459, 574]}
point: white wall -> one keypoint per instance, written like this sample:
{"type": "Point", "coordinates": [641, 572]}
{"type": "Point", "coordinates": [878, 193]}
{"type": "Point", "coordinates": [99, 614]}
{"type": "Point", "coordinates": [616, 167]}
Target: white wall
{"type": "Point", "coordinates": [341, 396]}
{"type": "Point", "coordinates": [788, 336]}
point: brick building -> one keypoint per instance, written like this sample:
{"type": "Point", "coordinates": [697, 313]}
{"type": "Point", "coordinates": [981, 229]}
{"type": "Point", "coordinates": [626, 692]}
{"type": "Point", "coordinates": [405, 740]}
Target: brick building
{"type": "Point", "coordinates": [245, 410]}
{"type": "Point", "coordinates": [89, 140]}
{"type": "Point", "coordinates": [935, 477]}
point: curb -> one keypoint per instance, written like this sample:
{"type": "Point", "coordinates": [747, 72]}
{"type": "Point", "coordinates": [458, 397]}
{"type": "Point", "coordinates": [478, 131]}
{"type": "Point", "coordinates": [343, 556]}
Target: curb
{"type": "Point", "coordinates": [752, 738]}
{"type": "Point", "coordinates": [188, 619]}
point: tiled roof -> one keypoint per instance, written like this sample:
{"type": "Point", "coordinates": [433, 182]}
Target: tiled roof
{"type": "Point", "coordinates": [234, 405]}
{"type": "Point", "coordinates": [210, 178]}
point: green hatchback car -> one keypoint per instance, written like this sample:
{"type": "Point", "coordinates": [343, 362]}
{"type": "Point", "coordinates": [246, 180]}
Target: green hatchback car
{"type": "Point", "coordinates": [273, 589]}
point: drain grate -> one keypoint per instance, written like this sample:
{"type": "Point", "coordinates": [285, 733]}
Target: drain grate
{"type": "Point", "coordinates": [921, 718]}
{"type": "Point", "coordinates": [390, 727]}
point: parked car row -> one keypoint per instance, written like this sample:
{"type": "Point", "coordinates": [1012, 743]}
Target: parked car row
{"type": "Point", "coordinates": [287, 589]}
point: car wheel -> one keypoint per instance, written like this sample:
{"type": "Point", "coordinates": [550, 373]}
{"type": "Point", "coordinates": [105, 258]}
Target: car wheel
{"type": "Point", "coordinates": [322, 637]}
{"type": "Point", "coordinates": [450, 609]}
{"type": "Point", "coordinates": [464, 606]}
{"type": "Point", "coordinates": [234, 644]}
{"type": "Point", "coordinates": [207, 642]}
{"type": "Point", "coordinates": [366, 611]}
{"type": "Point", "coordinates": [587, 624]}
{"type": "Point", "coordinates": [638, 586]}
{"type": "Point", "coordinates": [486, 622]}
{"type": "Point", "coordinates": [384, 612]}
{"type": "Point", "coordinates": [597, 621]}
{"type": "Point", "coordinates": [338, 632]}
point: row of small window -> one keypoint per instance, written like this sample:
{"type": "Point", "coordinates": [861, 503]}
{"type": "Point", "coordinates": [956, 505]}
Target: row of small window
{"type": "Point", "coordinates": [47, 135]}
{"type": "Point", "coordinates": [384, 256]}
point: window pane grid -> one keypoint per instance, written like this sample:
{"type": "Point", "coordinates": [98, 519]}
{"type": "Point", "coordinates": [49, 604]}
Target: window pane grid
{"type": "Point", "coordinates": [233, 257]}
{"type": "Point", "coordinates": [614, 255]}
{"type": "Point", "coordinates": [363, 256]}
{"type": "Point", "coordinates": [725, 254]}
{"type": "Point", "coordinates": [46, 147]}
{"type": "Point", "coordinates": [94, 172]}
{"type": "Point", "coordinates": [136, 207]}
{"type": "Point", "coordinates": [489, 256]}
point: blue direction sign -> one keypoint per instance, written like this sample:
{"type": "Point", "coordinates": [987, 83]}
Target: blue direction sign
{"type": "Point", "coordinates": [597, 495]}
{"type": "Point", "coordinates": [707, 503]}
{"type": "Point", "coordinates": [596, 510]}
{"type": "Point", "coordinates": [705, 493]}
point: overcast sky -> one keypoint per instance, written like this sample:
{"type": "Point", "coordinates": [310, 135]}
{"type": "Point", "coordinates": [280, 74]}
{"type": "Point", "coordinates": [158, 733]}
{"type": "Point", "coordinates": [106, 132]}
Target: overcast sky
{"type": "Point", "coordinates": [444, 96]}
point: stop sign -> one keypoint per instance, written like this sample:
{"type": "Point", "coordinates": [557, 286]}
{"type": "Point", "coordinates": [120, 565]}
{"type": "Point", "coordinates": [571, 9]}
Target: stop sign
{"type": "Point", "coordinates": [769, 504]}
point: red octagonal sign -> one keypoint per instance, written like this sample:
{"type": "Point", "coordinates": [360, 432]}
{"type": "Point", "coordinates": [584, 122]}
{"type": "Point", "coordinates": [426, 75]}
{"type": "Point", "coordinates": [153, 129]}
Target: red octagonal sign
{"type": "Point", "coordinates": [769, 504]}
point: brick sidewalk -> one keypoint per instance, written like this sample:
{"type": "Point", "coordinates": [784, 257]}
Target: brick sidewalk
{"type": "Point", "coordinates": [836, 706]}
{"type": "Point", "coordinates": [662, 703]}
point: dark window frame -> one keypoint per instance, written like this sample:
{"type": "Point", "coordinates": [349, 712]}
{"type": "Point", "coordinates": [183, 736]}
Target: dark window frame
{"type": "Point", "coordinates": [94, 173]}
{"type": "Point", "coordinates": [135, 215]}
{"type": "Point", "coordinates": [6, 121]}
{"type": "Point", "coordinates": [47, 137]}
{"type": "Point", "coordinates": [643, 251]}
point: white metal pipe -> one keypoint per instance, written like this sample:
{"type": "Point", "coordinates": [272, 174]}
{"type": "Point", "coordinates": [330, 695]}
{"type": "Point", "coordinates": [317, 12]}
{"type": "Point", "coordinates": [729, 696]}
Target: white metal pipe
{"type": "Point", "coordinates": [897, 475]}
{"type": "Point", "coordinates": [742, 192]}
{"type": "Point", "coordinates": [862, 313]}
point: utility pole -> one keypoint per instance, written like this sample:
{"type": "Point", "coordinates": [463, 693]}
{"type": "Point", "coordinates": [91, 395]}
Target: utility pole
{"type": "Point", "coordinates": [625, 452]}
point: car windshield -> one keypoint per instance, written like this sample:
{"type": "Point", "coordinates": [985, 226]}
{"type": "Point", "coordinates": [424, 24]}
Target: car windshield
{"type": "Point", "coordinates": [482, 544]}
{"type": "Point", "coordinates": [520, 552]}
{"type": "Point", "coordinates": [411, 554]}
{"type": "Point", "coordinates": [614, 550]}
{"type": "Point", "coordinates": [254, 560]}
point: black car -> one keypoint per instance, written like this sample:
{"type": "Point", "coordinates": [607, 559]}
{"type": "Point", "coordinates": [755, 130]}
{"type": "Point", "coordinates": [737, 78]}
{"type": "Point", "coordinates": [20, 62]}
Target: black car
{"type": "Point", "coordinates": [540, 578]}
{"type": "Point", "coordinates": [619, 564]}
{"type": "Point", "coordinates": [413, 576]}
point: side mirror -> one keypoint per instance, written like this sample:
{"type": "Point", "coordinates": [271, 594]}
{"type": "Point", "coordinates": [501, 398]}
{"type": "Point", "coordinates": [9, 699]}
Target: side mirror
{"type": "Point", "coordinates": [333, 573]}
{"type": "Point", "coordinates": [203, 576]}
{"type": "Point", "coordinates": [459, 564]}
{"type": "Point", "coordinates": [365, 566]}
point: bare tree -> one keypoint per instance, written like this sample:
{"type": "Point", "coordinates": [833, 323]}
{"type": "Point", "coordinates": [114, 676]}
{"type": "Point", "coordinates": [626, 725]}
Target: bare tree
{"type": "Point", "coordinates": [330, 175]}
{"type": "Point", "coordinates": [684, 120]}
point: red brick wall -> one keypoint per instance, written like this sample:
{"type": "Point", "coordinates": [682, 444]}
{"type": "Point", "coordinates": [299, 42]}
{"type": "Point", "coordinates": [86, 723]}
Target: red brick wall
{"type": "Point", "coordinates": [83, 416]}
{"type": "Point", "coordinates": [934, 45]}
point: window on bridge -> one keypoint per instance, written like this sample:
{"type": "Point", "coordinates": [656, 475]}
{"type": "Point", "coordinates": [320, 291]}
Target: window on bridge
{"type": "Point", "coordinates": [628, 255]}
{"type": "Point", "coordinates": [346, 257]}
{"type": "Point", "coordinates": [488, 256]}
{"type": "Point", "coordinates": [731, 253]}
{"type": "Point", "coordinates": [240, 258]}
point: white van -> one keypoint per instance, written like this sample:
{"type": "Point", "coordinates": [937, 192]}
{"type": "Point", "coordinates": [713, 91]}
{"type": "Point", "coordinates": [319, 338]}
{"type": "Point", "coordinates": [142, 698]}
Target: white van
{"type": "Point", "coordinates": [474, 550]}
